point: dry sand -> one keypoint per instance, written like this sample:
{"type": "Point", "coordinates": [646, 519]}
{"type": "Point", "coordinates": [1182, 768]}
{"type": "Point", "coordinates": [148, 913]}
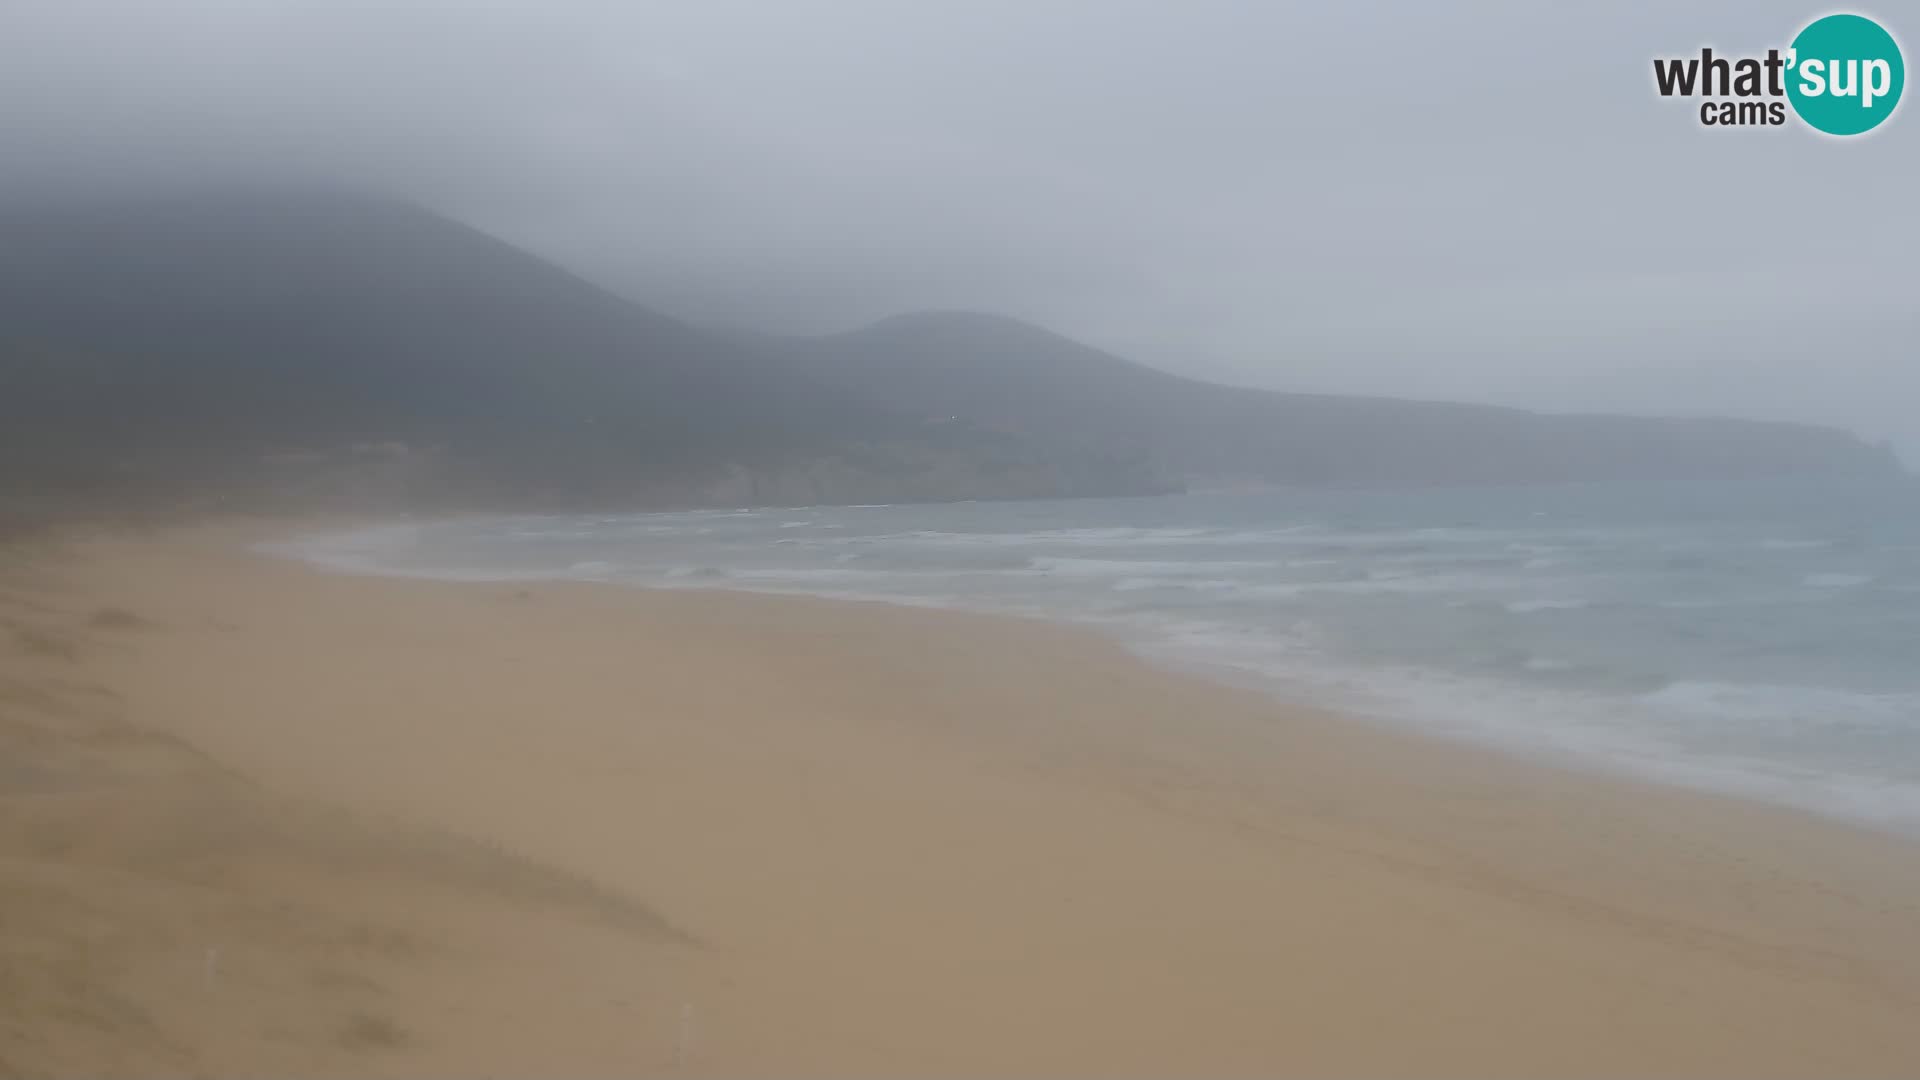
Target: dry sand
{"type": "Point", "coordinates": [259, 819]}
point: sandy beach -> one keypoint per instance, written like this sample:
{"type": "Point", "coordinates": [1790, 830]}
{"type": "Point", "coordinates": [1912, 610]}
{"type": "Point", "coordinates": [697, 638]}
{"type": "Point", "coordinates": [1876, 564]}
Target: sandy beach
{"type": "Point", "coordinates": [256, 818]}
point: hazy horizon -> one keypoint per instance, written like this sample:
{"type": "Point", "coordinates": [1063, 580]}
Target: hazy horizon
{"type": "Point", "coordinates": [1494, 207]}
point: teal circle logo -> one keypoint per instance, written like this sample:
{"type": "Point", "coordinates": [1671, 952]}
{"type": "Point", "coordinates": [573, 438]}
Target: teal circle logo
{"type": "Point", "coordinates": [1845, 74]}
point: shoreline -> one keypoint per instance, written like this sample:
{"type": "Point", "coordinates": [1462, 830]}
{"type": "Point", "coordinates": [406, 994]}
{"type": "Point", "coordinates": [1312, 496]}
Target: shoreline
{"type": "Point", "coordinates": [757, 833]}
{"type": "Point", "coordinates": [1618, 761]}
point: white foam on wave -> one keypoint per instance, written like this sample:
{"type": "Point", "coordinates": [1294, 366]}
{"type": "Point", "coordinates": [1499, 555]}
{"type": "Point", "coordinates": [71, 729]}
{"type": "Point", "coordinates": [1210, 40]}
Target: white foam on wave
{"type": "Point", "coordinates": [1613, 733]}
{"type": "Point", "coordinates": [1065, 566]}
{"type": "Point", "coordinates": [363, 550]}
{"type": "Point", "coordinates": [1142, 584]}
{"type": "Point", "coordinates": [1529, 607]}
{"type": "Point", "coordinates": [1658, 734]}
{"type": "Point", "coordinates": [800, 575]}
{"type": "Point", "coordinates": [1779, 706]}
{"type": "Point", "coordinates": [1835, 580]}
{"type": "Point", "coordinates": [1389, 583]}
{"type": "Point", "coordinates": [1088, 537]}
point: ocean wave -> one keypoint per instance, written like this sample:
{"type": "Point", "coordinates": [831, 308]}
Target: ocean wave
{"type": "Point", "coordinates": [1068, 566]}
{"type": "Point", "coordinates": [1835, 580]}
{"type": "Point", "coordinates": [1091, 537]}
{"type": "Point", "coordinates": [1529, 607]}
{"type": "Point", "coordinates": [1602, 645]}
{"type": "Point", "coordinates": [1768, 703]}
{"type": "Point", "coordinates": [1143, 584]}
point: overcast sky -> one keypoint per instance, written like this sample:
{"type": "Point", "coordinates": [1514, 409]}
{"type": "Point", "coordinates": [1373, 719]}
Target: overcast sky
{"type": "Point", "coordinates": [1478, 201]}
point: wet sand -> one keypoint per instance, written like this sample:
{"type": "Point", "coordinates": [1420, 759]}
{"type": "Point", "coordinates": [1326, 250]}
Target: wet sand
{"type": "Point", "coordinates": [255, 817]}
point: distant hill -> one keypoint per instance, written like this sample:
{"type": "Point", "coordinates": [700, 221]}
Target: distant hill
{"type": "Point", "coordinates": [303, 347]}
{"type": "Point", "coordinates": [1007, 376]}
{"type": "Point", "coordinates": [292, 345]}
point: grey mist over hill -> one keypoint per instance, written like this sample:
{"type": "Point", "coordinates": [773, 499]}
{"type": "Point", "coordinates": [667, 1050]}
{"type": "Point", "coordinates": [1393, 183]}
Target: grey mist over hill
{"type": "Point", "coordinates": [1007, 376]}
{"type": "Point", "coordinates": [296, 346]}
{"type": "Point", "coordinates": [1477, 202]}
{"type": "Point", "coordinates": [273, 347]}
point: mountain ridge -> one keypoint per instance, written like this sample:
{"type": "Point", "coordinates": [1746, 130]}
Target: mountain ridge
{"type": "Point", "coordinates": [1198, 429]}
{"type": "Point", "coordinates": [275, 347]}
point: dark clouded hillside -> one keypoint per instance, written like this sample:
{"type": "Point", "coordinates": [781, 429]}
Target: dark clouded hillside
{"type": "Point", "coordinates": [1481, 202]}
{"type": "Point", "coordinates": [285, 347]}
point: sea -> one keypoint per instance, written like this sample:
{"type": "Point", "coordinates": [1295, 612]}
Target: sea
{"type": "Point", "coordinates": [1756, 639]}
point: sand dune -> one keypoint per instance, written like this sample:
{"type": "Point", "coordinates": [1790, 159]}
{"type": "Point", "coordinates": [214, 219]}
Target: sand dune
{"type": "Point", "coordinates": [259, 819]}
